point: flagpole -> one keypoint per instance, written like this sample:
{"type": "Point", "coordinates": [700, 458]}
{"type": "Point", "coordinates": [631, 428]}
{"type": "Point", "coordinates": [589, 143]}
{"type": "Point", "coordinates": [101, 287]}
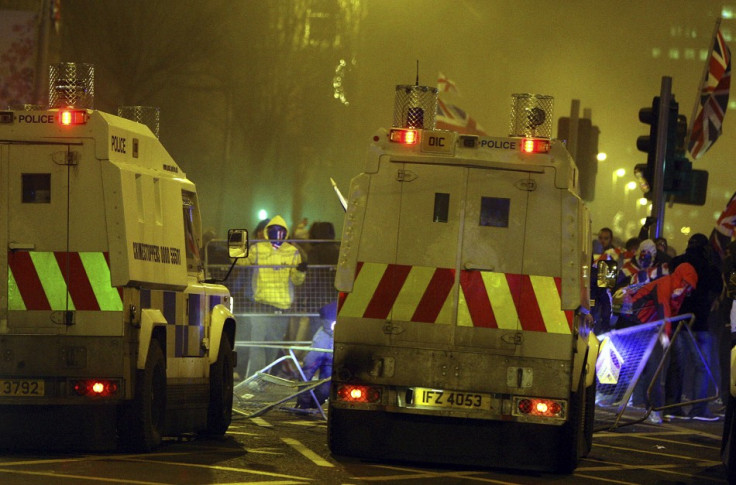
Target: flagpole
{"type": "Point", "coordinates": [706, 69]}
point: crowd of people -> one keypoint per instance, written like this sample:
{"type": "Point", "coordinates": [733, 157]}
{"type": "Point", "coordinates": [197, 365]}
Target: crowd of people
{"type": "Point", "coordinates": [646, 282]}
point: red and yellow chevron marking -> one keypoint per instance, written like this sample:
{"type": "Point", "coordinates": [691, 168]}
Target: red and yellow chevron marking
{"type": "Point", "coordinates": [491, 300]}
{"type": "Point", "coordinates": [61, 281]}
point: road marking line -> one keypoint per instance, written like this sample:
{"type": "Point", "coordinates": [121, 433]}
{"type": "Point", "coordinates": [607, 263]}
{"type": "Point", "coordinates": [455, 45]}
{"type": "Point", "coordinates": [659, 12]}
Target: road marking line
{"type": "Point", "coordinates": [262, 422]}
{"type": "Point", "coordinates": [298, 446]}
{"type": "Point", "coordinates": [669, 455]}
{"type": "Point", "coordinates": [316, 424]}
{"type": "Point", "coordinates": [221, 468]}
{"type": "Point", "coordinates": [415, 473]}
{"type": "Point", "coordinates": [601, 479]}
{"type": "Point", "coordinates": [684, 443]}
{"type": "Point", "coordinates": [57, 475]}
{"type": "Point", "coordinates": [664, 468]}
{"type": "Point", "coordinates": [245, 433]}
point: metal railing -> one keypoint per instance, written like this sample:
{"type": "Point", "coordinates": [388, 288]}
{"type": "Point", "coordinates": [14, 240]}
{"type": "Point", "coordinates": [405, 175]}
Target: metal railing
{"type": "Point", "coordinates": [317, 290]}
{"type": "Point", "coordinates": [621, 362]}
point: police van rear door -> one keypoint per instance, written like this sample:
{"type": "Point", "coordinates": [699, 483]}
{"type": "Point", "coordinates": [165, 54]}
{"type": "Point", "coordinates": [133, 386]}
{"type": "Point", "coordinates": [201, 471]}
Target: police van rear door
{"type": "Point", "coordinates": [493, 248]}
{"type": "Point", "coordinates": [510, 262]}
{"type": "Point", "coordinates": [49, 228]}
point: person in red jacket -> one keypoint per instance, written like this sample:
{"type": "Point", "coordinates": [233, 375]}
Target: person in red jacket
{"type": "Point", "coordinates": [662, 298]}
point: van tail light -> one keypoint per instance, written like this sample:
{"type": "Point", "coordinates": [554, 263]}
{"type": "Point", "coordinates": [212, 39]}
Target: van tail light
{"type": "Point", "coordinates": [96, 387]}
{"type": "Point", "coordinates": [533, 406]}
{"type": "Point", "coordinates": [358, 394]}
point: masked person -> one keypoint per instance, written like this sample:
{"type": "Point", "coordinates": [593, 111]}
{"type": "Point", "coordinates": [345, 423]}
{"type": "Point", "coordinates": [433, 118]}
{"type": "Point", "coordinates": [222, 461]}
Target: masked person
{"type": "Point", "coordinates": [635, 273]}
{"type": "Point", "coordinates": [277, 268]}
{"type": "Point", "coordinates": [657, 300]}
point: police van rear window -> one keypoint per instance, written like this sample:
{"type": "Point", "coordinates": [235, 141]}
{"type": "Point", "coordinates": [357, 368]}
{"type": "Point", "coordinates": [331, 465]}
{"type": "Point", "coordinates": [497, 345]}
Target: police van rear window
{"type": "Point", "coordinates": [441, 207]}
{"type": "Point", "coordinates": [36, 188]}
{"type": "Point", "coordinates": [494, 211]}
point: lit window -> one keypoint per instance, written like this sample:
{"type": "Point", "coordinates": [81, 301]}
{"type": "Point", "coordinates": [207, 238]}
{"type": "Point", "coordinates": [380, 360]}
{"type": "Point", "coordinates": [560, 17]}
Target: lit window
{"type": "Point", "coordinates": [656, 52]}
{"type": "Point", "coordinates": [674, 53]}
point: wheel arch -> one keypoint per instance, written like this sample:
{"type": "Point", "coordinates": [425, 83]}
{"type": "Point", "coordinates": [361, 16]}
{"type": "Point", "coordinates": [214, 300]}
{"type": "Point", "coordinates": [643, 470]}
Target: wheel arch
{"type": "Point", "coordinates": [222, 321]}
{"type": "Point", "coordinates": [153, 325]}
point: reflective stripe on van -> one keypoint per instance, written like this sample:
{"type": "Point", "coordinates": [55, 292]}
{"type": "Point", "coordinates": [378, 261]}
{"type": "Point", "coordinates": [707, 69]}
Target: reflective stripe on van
{"type": "Point", "coordinates": [422, 294]}
{"type": "Point", "coordinates": [59, 280]}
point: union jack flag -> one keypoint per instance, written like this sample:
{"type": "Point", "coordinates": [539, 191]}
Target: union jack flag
{"type": "Point", "coordinates": [449, 115]}
{"type": "Point", "coordinates": [713, 99]}
{"type": "Point", "coordinates": [723, 233]}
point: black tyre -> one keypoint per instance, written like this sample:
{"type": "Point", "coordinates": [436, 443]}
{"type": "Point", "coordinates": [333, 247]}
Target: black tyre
{"type": "Point", "coordinates": [143, 420]}
{"type": "Point", "coordinates": [728, 445]}
{"type": "Point", "coordinates": [220, 410]}
{"type": "Point", "coordinates": [573, 443]}
{"type": "Point", "coordinates": [589, 417]}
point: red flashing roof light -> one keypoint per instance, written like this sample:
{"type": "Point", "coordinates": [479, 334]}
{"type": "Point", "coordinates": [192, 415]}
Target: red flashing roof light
{"type": "Point", "coordinates": [405, 137]}
{"type": "Point", "coordinates": [535, 145]}
{"type": "Point", "coordinates": [68, 117]}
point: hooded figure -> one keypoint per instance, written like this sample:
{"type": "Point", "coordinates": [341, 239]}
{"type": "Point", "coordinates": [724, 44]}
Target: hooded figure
{"type": "Point", "coordinates": [663, 297]}
{"type": "Point", "coordinates": [279, 266]}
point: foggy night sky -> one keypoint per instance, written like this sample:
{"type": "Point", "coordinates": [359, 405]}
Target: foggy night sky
{"type": "Point", "coordinates": [249, 112]}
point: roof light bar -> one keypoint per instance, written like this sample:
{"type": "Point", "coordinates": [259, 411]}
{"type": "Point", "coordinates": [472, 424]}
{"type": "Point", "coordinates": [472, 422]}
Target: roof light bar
{"type": "Point", "coordinates": [70, 117]}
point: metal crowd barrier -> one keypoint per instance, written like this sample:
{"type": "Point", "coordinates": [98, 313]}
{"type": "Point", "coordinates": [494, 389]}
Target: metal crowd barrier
{"type": "Point", "coordinates": [317, 290]}
{"type": "Point", "coordinates": [622, 358]}
{"type": "Point", "coordinates": [264, 390]}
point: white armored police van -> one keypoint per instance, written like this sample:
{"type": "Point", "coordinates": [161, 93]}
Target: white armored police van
{"type": "Point", "coordinates": [461, 334]}
{"type": "Point", "coordinates": [108, 331]}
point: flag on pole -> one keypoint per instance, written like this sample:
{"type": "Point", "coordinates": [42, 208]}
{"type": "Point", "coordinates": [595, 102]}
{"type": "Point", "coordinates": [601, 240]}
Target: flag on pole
{"type": "Point", "coordinates": [723, 233]}
{"type": "Point", "coordinates": [449, 115]}
{"type": "Point", "coordinates": [713, 92]}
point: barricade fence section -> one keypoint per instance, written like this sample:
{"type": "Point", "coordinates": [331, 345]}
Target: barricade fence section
{"type": "Point", "coordinates": [317, 290]}
{"type": "Point", "coordinates": [624, 354]}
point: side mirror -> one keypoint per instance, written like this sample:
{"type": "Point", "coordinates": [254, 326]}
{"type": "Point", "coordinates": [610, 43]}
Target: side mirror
{"type": "Point", "coordinates": [607, 273]}
{"type": "Point", "coordinates": [237, 243]}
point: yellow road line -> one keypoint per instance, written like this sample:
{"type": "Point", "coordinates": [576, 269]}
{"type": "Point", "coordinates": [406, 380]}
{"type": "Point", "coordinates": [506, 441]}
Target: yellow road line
{"type": "Point", "coordinates": [57, 475]}
{"type": "Point", "coordinates": [220, 468]}
{"type": "Point", "coordinates": [298, 446]}
{"type": "Point", "coordinates": [664, 468]}
{"type": "Point", "coordinates": [668, 455]}
{"type": "Point", "coordinates": [601, 479]}
{"type": "Point", "coordinates": [414, 473]}
{"type": "Point", "coordinates": [262, 422]}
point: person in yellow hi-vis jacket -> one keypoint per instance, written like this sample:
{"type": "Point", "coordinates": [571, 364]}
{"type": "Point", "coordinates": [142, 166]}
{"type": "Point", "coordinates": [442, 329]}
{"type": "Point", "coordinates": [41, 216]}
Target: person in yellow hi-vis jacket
{"type": "Point", "coordinates": [278, 266]}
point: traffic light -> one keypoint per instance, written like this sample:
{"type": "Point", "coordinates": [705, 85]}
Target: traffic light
{"type": "Point", "coordinates": [677, 168]}
{"type": "Point", "coordinates": [648, 145]}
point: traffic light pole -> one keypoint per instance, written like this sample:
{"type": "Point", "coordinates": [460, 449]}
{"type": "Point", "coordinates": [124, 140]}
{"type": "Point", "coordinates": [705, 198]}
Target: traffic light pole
{"type": "Point", "coordinates": [665, 95]}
